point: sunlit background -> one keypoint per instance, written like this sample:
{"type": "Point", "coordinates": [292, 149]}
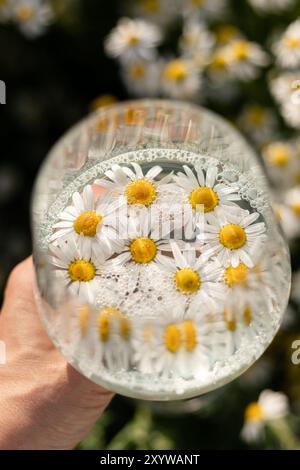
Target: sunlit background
{"type": "Point", "coordinates": [60, 59]}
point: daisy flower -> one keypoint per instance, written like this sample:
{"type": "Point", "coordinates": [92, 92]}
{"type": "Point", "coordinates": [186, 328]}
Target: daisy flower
{"type": "Point", "coordinates": [219, 67]}
{"type": "Point", "coordinates": [111, 338]}
{"type": "Point", "coordinates": [190, 276]}
{"type": "Point", "coordinates": [180, 78]}
{"type": "Point", "coordinates": [196, 42]}
{"type": "Point", "coordinates": [290, 112]}
{"type": "Point", "coordinates": [270, 406]}
{"type": "Point", "coordinates": [142, 78]}
{"type": "Point", "coordinates": [281, 162]}
{"type": "Point", "coordinates": [245, 58]}
{"type": "Point", "coordinates": [180, 345]}
{"type": "Point", "coordinates": [232, 238]}
{"type": "Point", "coordinates": [205, 9]}
{"type": "Point", "coordinates": [134, 187]}
{"type": "Point", "coordinates": [281, 86]}
{"type": "Point", "coordinates": [259, 123]}
{"type": "Point", "coordinates": [133, 40]}
{"type": "Point", "coordinates": [5, 10]}
{"type": "Point", "coordinates": [77, 267]}
{"type": "Point", "coordinates": [289, 212]}
{"type": "Point", "coordinates": [287, 48]}
{"type": "Point", "coordinates": [91, 218]}
{"type": "Point", "coordinates": [203, 193]}
{"type": "Point", "coordinates": [271, 6]}
{"type": "Point", "coordinates": [32, 16]}
{"type": "Point", "coordinates": [144, 242]}
{"type": "Point", "coordinates": [161, 12]}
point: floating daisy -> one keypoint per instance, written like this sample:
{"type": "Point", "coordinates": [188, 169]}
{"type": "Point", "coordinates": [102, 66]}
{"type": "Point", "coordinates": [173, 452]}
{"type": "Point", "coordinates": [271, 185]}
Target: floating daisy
{"type": "Point", "coordinates": [191, 276]}
{"type": "Point", "coordinates": [77, 267]}
{"type": "Point", "coordinates": [270, 406]}
{"type": "Point", "coordinates": [203, 192]}
{"type": "Point", "coordinates": [287, 48]}
{"type": "Point", "coordinates": [111, 338]}
{"type": "Point", "coordinates": [32, 16]}
{"type": "Point", "coordinates": [144, 242]}
{"type": "Point", "coordinates": [196, 42]}
{"type": "Point", "coordinates": [180, 345]}
{"type": "Point", "coordinates": [134, 187]}
{"type": "Point", "coordinates": [245, 58]}
{"type": "Point", "coordinates": [93, 219]}
{"type": "Point", "coordinates": [133, 40]}
{"type": "Point", "coordinates": [232, 238]}
{"type": "Point", "coordinates": [180, 78]}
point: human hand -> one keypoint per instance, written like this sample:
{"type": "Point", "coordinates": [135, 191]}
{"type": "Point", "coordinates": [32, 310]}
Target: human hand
{"type": "Point", "coordinates": [44, 403]}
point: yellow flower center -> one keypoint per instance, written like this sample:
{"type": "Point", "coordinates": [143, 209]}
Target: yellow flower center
{"type": "Point", "coordinates": [254, 412]}
{"type": "Point", "coordinates": [296, 209]}
{"type": "Point", "coordinates": [197, 3]}
{"type": "Point", "coordinates": [172, 338]}
{"type": "Point", "coordinates": [25, 13]}
{"type": "Point", "coordinates": [81, 270]}
{"type": "Point", "coordinates": [86, 223]}
{"type": "Point", "coordinates": [103, 100]}
{"type": "Point", "coordinates": [175, 71]}
{"type": "Point", "coordinates": [292, 42]}
{"type": "Point", "coordinates": [134, 117]}
{"type": "Point", "coordinates": [240, 50]}
{"type": "Point", "coordinates": [236, 275]}
{"type": "Point", "coordinates": [230, 320]}
{"type": "Point", "coordinates": [225, 33]}
{"type": "Point", "coordinates": [247, 315]}
{"type": "Point", "coordinates": [101, 125]}
{"type": "Point", "coordinates": [204, 199]}
{"type": "Point", "coordinates": [256, 115]}
{"type": "Point", "coordinates": [133, 39]}
{"type": "Point", "coordinates": [124, 328]}
{"type": "Point", "coordinates": [279, 155]}
{"type": "Point", "coordinates": [189, 335]}
{"type": "Point", "coordinates": [187, 281]}
{"type": "Point", "coordinates": [138, 71]}
{"type": "Point", "coordinates": [84, 318]}
{"type": "Point", "coordinates": [104, 319]}
{"type": "Point", "coordinates": [150, 6]}
{"type": "Point", "coordinates": [141, 192]}
{"type": "Point", "coordinates": [143, 250]}
{"type": "Point", "coordinates": [233, 236]}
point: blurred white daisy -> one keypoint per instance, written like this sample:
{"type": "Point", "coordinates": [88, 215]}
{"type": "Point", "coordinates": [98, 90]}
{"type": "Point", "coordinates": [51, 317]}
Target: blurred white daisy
{"type": "Point", "coordinates": [111, 338]}
{"type": "Point", "coordinates": [181, 345]}
{"type": "Point", "coordinates": [192, 277]}
{"type": "Point", "coordinates": [145, 241]}
{"type": "Point", "coordinates": [226, 33]}
{"type": "Point", "coordinates": [282, 86]}
{"type": "Point", "coordinates": [281, 162]}
{"type": "Point", "coordinates": [93, 218]}
{"type": "Point", "coordinates": [196, 42]}
{"type": "Point", "coordinates": [290, 112]}
{"type": "Point", "coordinates": [205, 9]}
{"type": "Point", "coordinates": [161, 12]}
{"type": "Point", "coordinates": [270, 406]}
{"type": "Point", "coordinates": [245, 58]}
{"type": "Point", "coordinates": [289, 212]}
{"type": "Point", "coordinates": [133, 40]}
{"type": "Point", "coordinates": [271, 6]}
{"type": "Point", "coordinates": [258, 122]}
{"type": "Point", "coordinates": [202, 191]}
{"type": "Point", "coordinates": [5, 10]}
{"type": "Point", "coordinates": [180, 78]}
{"type": "Point", "coordinates": [77, 266]}
{"type": "Point", "coordinates": [219, 67]}
{"type": "Point", "coordinates": [134, 187]}
{"type": "Point", "coordinates": [142, 78]}
{"type": "Point", "coordinates": [287, 47]}
{"type": "Point", "coordinates": [32, 16]}
{"type": "Point", "coordinates": [232, 238]}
